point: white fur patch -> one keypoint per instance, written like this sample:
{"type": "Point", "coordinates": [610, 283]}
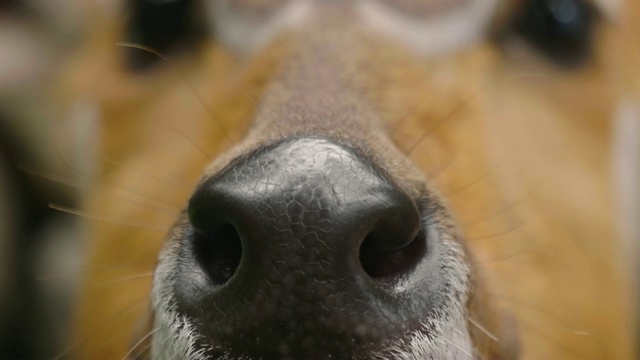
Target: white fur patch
{"type": "Point", "coordinates": [435, 34]}
{"type": "Point", "coordinates": [175, 338]}
{"type": "Point", "coordinates": [626, 169]}
{"type": "Point", "coordinates": [611, 8]}
{"type": "Point", "coordinates": [246, 32]}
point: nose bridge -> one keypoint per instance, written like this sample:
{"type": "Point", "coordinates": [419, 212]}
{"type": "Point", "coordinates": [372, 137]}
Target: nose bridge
{"type": "Point", "coordinates": [318, 87]}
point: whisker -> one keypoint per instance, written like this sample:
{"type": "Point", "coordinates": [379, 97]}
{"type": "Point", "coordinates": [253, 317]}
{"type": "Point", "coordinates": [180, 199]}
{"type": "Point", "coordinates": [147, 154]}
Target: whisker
{"type": "Point", "coordinates": [200, 149]}
{"type": "Point", "coordinates": [546, 333]}
{"type": "Point", "coordinates": [142, 351]}
{"type": "Point", "coordinates": [459, 109]}
{"type": "Point", "coordinates": [477, 324]}
{"type": "Point", "coordinates": [83, 270]}
{"type": "Point", "coordinates": [411, 112]}
{"type": "Point", "coordinates": [56, 276]}
{"type": "Point", "coordinates": [60, 276]}
{"type": "Point", "coordinates": [441, 170]}
{"type": "Point", "coordinates": [509, 257]}
{"type": "Point", "coordinates": [101, 327]}
{"type": "Point", "coordinates": [464, 351]}
{"type": "Point", "coordinates": [107, 342]}
{"type": "Point", "coordinates": [562, 322]}
{"type": "Point", "coordinates": [186, 80]}
{"type": "Point", "coordinates": [79, 185]}
{"type": "Point", "coordinates": [546, 336]}
{"type": "Point", "coordinates": [168, 209]}
{"type": "Point", "coordinates": [65, 162]}
{"type": "Point", "coordinates": [452, 116]}
{"type": "Point", "coordinates": [100, 218]}
{"type": "Point", "coordinates": [531, 324]}
{"type": "Point", "coordinates": [89, 176]}
{"type": "Point", "coordinates": [461, 189]}
{"type": "Point", "coordinates": [51, 177]}
{"type": "Point", "coordinates": [140, 342]}
{"type": "Point", "coordinates": [502, 233]}
{"type": "Point", "coordinates": [123, 279]}
{"type": "Point", "coordinates": [503, 210]}
{"type": "Point", "coordinates": [166, 181]}
{"type": "Point", "coordinates": [551, 339]}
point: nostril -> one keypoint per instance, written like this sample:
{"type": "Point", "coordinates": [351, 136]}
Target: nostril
{"type": "Point", "coordinates": [319, 241]}
{"type": "Point", "coordinates": [218, 253]}
{"type": "Point", "coordinates": [386, 265]}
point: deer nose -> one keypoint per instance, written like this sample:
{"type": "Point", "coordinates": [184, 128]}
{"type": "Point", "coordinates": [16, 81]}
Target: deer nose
{"type": "Point", "coordinates": [304, 229]}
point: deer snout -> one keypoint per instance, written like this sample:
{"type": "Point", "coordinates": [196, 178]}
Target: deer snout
{"type": "Point", "coordinates": [300, 248]}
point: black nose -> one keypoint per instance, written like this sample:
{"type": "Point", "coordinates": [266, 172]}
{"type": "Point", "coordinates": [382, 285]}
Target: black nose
{"type": "Point", "coordinates": [297, 249]}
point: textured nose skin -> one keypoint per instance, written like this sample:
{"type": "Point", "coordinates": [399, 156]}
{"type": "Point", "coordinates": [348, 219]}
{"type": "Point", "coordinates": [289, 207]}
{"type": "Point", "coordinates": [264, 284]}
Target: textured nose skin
{"type": "Point", "coordinates": [278, 237]}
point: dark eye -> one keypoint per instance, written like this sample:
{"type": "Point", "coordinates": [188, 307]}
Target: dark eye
{"type": "Point", "coordinates": [561, 29]}
{"type": "Point", "coordinates": [162, 25]}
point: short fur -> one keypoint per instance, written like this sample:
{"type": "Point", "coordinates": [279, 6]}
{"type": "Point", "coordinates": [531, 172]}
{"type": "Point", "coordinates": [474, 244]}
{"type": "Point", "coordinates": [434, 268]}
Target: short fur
{"type": "Point", "coordinates": [520, 153]}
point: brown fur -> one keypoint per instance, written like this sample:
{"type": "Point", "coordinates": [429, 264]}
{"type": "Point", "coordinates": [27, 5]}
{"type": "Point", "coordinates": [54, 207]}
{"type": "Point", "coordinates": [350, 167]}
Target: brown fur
{"type": "Point", "coordinates": [519, 150]}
